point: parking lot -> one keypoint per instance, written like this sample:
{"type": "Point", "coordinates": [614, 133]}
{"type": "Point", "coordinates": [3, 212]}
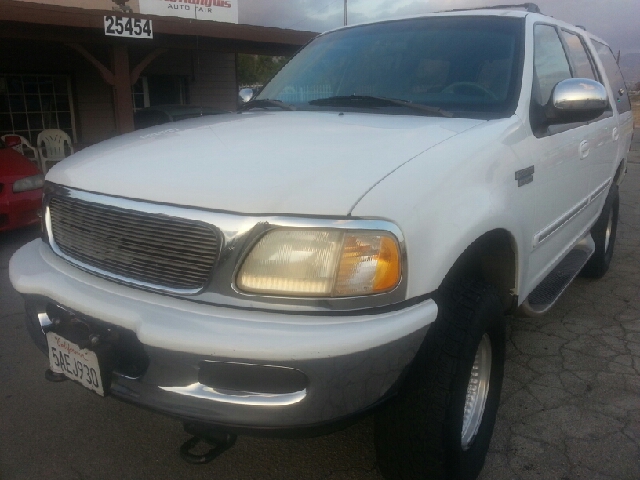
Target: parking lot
{"type": "Point", "coordinates": [570, 404]}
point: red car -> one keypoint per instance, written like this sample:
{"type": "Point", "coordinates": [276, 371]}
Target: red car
{"type": "Point", "coordinates": [20, 188]}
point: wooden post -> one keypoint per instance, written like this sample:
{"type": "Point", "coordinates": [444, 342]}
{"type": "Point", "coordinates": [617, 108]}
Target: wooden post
{"type": "Point", "coordinates": [122, 89]}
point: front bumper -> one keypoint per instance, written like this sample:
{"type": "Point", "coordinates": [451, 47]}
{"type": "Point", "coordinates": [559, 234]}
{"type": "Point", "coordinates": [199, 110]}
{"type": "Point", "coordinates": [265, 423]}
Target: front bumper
{"type": "Point", "coordinates": [347, 363]}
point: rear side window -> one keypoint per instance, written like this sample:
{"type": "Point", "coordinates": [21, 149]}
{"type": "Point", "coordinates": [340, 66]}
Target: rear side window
{"type": "Point", "coordinates": [582, 67]}
{"type": "Point", "coordinates": [615, 77]}
{"type": "Point", "coordinates": [550, 61]}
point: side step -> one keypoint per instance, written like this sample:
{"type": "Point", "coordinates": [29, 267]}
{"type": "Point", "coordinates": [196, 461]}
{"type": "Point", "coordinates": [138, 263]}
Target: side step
{"type": "Point", "coordinates": [545, 295]}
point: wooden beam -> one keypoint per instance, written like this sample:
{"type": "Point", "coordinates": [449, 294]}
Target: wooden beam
{"type": "Point", "coordinates": [86, 36]}
{"type": "Point", "coordinates": [38, 13]}
{"type": "Point", "coordinates": [122, 89]}
{"type": "Point", "coordinates": [104, 71]}
{"type": "Point", "coordinates": [135, 73]}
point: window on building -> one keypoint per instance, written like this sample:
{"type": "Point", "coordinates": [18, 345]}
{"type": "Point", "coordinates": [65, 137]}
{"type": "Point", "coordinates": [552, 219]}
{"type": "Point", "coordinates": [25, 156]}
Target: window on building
{"type": "Point", "coordinates": [140, 94]}
{"type": "Point", "coordinates": [32, 103]}
{"type": "Point", "coordinates": [154, 90]}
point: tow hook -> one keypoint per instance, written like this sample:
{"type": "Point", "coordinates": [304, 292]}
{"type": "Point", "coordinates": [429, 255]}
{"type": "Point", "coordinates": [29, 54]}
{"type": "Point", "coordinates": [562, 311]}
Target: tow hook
{"type": "Point", "coordinates": [220, 441]}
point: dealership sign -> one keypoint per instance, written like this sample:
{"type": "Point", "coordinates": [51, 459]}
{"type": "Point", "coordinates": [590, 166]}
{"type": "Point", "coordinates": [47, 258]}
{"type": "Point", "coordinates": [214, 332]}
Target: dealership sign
{"type": "Point", "coordinates": [216, 10]}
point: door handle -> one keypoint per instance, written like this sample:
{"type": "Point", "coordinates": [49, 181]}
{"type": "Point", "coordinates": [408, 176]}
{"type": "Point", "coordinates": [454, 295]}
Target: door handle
{"type": "Point", "coordinates": [616, 134]}
{"type": "Point", "coordinates": [584, 149]}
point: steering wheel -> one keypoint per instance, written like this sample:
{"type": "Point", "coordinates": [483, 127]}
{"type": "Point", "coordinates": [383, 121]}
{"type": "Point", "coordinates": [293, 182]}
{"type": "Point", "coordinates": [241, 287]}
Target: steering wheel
{"type": "Point", "coordinates": [463, 87]}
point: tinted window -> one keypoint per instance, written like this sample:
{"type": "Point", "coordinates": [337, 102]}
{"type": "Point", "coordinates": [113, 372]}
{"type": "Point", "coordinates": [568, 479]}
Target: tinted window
{"type": "Point", "coordinates": [459, 64]}
{"type": "Point", "coordinates": [550, 61]}
{"type": "Point", "coordinates": [615, 76]}
{"type": "Point", "coordinates": [582, 67]}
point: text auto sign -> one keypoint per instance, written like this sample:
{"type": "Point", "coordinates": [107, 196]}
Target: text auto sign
{"type": "Point", "coordinates": [215, 10]}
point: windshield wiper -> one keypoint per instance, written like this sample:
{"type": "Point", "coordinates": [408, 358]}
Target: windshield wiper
{"type": "Point", "coordinates": [264, 103]}
{"type": "Point", "coordinates": [373, 101]}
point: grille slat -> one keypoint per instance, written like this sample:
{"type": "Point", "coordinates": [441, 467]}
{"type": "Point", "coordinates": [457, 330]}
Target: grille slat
{"type": "Point", "coordinates": [90, 217]}
{"type": "Point", "coordinates": [155, 249]}
{"type": "Point", "coordinates": [75, 235]}
{"type": "Point", "coordinates": [139, 260]}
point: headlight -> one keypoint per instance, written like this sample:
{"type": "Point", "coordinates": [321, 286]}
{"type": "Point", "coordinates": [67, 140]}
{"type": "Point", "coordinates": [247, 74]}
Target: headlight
{"type": "Point", "coordinates": [29, 183]}
{"type": "Point", "coordinates": [321, 263]}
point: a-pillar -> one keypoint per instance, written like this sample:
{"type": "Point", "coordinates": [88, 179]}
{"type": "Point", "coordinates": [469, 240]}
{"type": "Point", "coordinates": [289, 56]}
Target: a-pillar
{"type": "Point", "coordinates": [122, 89]}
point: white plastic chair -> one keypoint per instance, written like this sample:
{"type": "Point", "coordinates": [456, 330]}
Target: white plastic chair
{"type": "Point", "coordinates": [34, 156]}
{"type": "Point", "coordinates": [53, 145]}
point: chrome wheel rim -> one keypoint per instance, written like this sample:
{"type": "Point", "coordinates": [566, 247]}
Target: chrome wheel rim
{"type": "Point", "coordinates": [607, 232]}
{"type": "Point", "coordinates": [477, 392]}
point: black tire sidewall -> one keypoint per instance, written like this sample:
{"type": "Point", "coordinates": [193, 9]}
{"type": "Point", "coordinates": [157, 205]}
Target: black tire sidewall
{"type": "Point", "coordinates": [468, 463]}
{"type": "Point", "coordinates": [418, 435]}
{"type": "Point", "coordinates": [600, 261]}
{"type": "Point", "coordinates": [615, 210]}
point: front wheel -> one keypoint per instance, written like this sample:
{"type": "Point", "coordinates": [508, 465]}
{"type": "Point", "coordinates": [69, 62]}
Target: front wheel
{"type": "Point", "coordinates": [440, 425]}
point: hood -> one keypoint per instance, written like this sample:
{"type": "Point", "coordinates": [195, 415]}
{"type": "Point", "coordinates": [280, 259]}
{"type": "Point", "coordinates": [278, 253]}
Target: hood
{"type": "Point", "coordinates": [14, 166]}
{"type": "Point", "coordinates": [307, 163]}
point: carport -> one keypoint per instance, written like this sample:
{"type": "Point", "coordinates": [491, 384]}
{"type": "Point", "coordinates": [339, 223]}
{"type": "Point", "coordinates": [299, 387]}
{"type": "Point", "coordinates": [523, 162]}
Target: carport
{"type": "Point", "coordinates": [58, 69]}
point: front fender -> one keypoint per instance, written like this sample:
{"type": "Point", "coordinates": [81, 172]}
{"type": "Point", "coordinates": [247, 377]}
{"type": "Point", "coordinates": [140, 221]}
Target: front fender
{"type": "Point", "coordinates": [450, 196]}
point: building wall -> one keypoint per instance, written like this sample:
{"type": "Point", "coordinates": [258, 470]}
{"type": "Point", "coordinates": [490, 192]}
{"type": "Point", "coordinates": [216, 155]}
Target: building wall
{"type": "Point", "coordinates": [216, 81]}
{"type": "Point", "coordinates": [88, 4]}
{"type": "Point", "coordinates": [92, 97]}
{"type": "Point", "coordinates": [211, 76]}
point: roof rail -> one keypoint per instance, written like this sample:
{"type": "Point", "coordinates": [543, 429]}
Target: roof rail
{"type": "Point", "coordinates": [529, 7]}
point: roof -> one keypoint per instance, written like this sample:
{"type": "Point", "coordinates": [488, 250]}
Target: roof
{"type": "Point", "coordinates": [39, 14]}
{"type": "Point", "coordinates": [482, 12]}
{"type": "Point", "coordinates": [457, 13]}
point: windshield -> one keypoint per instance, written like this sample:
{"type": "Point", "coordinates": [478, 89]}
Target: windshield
{"type": "Point", "coordinates": [461, 64]}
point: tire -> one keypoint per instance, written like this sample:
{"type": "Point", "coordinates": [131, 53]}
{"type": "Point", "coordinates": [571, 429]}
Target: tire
{"type": "Point", "coordinates": [604, 233]}
{"type": "Point", "coordinates": [419, 434]}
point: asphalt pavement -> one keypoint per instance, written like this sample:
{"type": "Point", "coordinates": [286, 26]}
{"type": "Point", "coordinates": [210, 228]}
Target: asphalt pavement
{"type": "Point", "coordinates": [570, 405]}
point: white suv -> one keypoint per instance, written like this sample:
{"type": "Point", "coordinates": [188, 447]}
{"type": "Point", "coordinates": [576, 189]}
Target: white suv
{"type": "Point", "coordinates": [349, 242]}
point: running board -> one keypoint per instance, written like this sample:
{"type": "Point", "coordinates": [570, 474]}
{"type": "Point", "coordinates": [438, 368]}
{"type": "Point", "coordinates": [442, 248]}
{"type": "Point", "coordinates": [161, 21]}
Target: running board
{"type": "Point", "coordinates": [545, 295]}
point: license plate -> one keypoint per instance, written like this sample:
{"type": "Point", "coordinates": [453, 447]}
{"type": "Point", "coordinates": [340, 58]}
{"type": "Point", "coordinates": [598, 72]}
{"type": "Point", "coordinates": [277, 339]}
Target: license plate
{"type": "Point", "coordinates": [76, 363]}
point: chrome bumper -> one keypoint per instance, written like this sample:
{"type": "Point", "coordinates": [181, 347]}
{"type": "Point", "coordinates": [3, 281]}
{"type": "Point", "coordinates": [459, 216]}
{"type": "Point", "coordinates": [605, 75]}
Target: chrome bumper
{"type": "Point", "coordinates": [312, 369]}
{"type": "Point", "coordinates": [333, 387]}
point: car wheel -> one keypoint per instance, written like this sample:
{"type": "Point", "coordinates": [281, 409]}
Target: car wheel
{"type": "Point", "coordinates": [604, 233]}
{"type": "Point", "coordinates": [440, 424]}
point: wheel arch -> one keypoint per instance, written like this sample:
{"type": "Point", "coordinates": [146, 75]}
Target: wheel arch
{"type": "Point", "coordinates": [491, 258]}
{"type": "Point", "coordinates": [621, 170]}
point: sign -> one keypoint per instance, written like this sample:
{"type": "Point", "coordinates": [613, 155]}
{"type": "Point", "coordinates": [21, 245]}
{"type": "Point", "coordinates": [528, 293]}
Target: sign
{"type": "Point", "coordinates": [76, 363]}
{"type": "Point", "coordinates": [127, 27]}
{"type": "Point", "coordinates": [213, 10]}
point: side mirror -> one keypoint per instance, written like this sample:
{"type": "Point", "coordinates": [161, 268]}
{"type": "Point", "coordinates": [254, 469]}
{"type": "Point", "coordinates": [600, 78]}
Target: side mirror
{"type": "Point", "coordinates": [245, 95]}
{"type": "Point", "coordinates": [577, 100]}
{"type": "Point", "coordinates": [12, 141]}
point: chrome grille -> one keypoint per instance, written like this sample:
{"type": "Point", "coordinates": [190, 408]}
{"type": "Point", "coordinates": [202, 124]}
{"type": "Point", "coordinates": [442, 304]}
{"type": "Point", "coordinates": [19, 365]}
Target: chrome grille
{"type": "Point", "coordinates": [154, 250]}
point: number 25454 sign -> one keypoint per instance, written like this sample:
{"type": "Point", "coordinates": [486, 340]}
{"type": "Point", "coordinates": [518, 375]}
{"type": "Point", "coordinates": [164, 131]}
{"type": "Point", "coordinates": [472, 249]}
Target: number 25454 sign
{"type": "Point", "coordinates": [127, 27]}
